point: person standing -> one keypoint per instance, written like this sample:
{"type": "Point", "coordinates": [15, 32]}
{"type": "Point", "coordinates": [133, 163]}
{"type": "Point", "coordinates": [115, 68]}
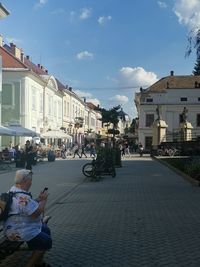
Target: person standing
{"type": "Point", "coordinates": [29, 155]}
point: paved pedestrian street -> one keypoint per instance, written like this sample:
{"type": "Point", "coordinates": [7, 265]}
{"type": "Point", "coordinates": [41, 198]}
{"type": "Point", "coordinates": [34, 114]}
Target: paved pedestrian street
{"type": "Point", "coordinates": [147, 216]}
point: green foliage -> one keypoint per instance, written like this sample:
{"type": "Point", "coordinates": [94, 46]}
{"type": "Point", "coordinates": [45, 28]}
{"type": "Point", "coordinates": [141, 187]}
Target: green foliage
{"type": "Point", "coordinates": [109, 116]}
{"type": "Point", "coordinates": [193, 169]}
{"type": "Point", "coordinates": [193, 42]}
{"type": "Point", "coordinates": [113, 131]}
{"type": "Point", "coordinates": [196, 70]}
{"type": "Point", "coordinates": [190, 166]}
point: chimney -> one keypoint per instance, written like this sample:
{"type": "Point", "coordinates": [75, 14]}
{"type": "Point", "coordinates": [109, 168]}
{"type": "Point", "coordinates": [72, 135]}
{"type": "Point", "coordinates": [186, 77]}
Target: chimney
{"type": "Point", "coordinates": [15, 51]}
{"type": "Point", "coordinates": [70, 89]}
{"type": "Point", "coordinates": [84, 99]}
{"type": "Point", "coordinates": [46, 71]}
{"type": "Point", "coordinates": [172, 73]}
{"type": "Point", "coordinates": [27, 57]}
{"type": "Point", "coordinates": [1, 40]}
{"type": "Point", "coordinates": [38, 65]}
{"type": "Point", "coordinates": [22, 56]}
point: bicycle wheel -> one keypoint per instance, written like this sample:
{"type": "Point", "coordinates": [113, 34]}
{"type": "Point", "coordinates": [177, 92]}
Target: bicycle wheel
{"type": "Point", "coordinates": [112, 171]}
{"type": "Point", "coordinates": [88, 170]}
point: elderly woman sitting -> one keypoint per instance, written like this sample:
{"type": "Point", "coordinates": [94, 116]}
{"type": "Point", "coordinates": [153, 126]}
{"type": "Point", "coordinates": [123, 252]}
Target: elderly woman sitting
{"type": "Point", "coordinates": [25, 219]}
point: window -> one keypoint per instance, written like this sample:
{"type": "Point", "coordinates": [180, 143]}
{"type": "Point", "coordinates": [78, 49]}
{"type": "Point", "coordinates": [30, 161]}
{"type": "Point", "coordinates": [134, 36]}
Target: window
{"type": "Point", "coordinates": [198, 120]}
{"type": "Point", "coordinates": [65, 108]}
{"type": "Point", "coordinates": [183, 98]}
{"type": "Point", "coordinates": [149, 100]}
{"type": "Point", "coordinates": [8, 95]}
{"type": "Point", "coordinates": [33, 98]}
{"type": "Point", "coordinates": [41, 103]}
{"type": "Point", "coordinates": [149, 119]}
{"type": "Point", "coordinates": [198, 98]}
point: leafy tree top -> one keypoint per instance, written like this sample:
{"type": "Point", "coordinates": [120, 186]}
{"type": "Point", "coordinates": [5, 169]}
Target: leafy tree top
{"type": "Point", "coordinates": [196, 70]}
{"type": "Point", "coordinates": [193, 42]}
{"type": "Point", "coordinates": [110, 116]}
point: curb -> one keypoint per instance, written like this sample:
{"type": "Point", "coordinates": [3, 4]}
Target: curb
{"type": "Point", "coordinates": [184, 175]}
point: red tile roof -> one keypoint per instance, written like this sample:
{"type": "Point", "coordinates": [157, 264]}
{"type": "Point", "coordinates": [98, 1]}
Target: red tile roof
{"type": "Point", "coordinates": [35, 68]}
{"type": "Point", "coordinates": [10, 61]}
{"type": "Point", "coordinates": [175, 82]}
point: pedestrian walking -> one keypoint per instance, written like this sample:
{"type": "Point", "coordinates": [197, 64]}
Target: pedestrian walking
{"type": "Point", "coordinates": [92, 150]}
{"type": "Point", "coordinates": [76, 151]}
{"type": "Point", "coordinates": [83, 151]}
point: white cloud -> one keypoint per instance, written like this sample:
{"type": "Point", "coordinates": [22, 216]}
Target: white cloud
{"type": "Point", "coordinates": [83, 94]}
{"type": "Point", "coordinates": [119, 99]}
{"type": "Point", "coordinates": [88, 96]}
{"type": "Point", "coordinates": [84, 55]}
{"type": "Point", "coordinates": [85, 13]}
{"type": "Point", "coordinates": [40, 3]}
{"type": "Point", "coordinates": [162, 4]}
{"type": "Point", "coordinates": [95, 101]}
{"type": "Point", "coordinates": [103, 20]}
{"type": "Point", "coordinates": [188, 12]}
{"type": "Point", "coordinates": [138, 76]}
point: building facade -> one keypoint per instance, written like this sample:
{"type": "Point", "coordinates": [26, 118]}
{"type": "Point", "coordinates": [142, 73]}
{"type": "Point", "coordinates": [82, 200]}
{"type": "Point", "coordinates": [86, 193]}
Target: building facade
{"type": "Point", "coordinates": [168, 97]}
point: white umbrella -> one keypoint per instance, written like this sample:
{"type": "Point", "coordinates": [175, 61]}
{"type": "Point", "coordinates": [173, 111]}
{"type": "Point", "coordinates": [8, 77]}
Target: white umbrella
{"type": "Point", "coordinates": [56, 134]}
{"type": "Point", "coordinates": [21, 131]}
{"type": "Point", "coordinates": [6, 131]}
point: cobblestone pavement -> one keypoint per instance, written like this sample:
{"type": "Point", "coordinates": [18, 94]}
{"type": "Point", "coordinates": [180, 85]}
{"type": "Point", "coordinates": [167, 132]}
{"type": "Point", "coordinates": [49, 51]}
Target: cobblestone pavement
{"type": "Point", "coordinates": [147, 216]}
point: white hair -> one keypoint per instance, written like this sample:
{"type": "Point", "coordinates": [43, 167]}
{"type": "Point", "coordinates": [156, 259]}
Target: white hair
{"type": "Point", "coordinates": [22, 175]}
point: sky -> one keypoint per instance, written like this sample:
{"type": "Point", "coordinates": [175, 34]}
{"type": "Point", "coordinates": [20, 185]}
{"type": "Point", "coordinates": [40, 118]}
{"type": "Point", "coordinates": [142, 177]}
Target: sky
{"type": "Point", "coordinates": [105, 49]}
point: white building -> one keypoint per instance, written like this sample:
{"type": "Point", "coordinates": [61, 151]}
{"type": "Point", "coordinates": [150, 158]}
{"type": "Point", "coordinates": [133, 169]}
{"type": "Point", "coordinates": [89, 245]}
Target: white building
{"type": "Point", "coordinates": [38, 101]}
{"type": "Point", "coordinates": [29, 95]}
{"type": "Point", "coordinates": [170, 94]}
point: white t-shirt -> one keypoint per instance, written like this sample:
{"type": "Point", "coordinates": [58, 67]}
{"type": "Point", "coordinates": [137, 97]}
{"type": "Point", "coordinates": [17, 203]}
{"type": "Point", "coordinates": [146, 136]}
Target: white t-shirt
{"type": "Point", "coordinates": [20, 226]}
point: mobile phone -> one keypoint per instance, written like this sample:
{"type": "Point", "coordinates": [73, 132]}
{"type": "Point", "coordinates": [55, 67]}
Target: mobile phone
{"type": "Point", "coordinates": [45, 189]}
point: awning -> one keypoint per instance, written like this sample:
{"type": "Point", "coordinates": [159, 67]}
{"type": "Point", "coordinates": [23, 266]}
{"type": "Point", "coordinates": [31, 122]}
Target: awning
{"type": "Point", "coordinates": [6, 131]}
{"type": "Point", "coordinates": [56, 134]}
{"type": "Point", "coordinates": [19, 130]}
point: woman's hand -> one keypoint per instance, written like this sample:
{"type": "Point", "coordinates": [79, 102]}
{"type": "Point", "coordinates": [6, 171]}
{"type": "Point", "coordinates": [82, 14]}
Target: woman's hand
{"type": "Point", "coordinates": [43, 195]}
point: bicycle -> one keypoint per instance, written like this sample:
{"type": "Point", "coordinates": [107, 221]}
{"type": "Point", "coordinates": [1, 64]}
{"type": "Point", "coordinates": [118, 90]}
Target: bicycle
{"type": "Point", "coordinates": [99, 167]}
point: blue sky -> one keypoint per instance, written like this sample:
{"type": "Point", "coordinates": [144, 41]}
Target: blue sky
{"type": "Point", "coordinates": [105, 49]}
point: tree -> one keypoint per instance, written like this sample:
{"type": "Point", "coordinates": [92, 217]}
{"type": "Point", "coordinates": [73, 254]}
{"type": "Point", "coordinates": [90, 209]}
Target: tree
{"type": "Point", "coordinates": [134, 125]}
{"type": "Point", "coordinates": [110, 116]}
{"type": "Point", "coordinates": [194, 42]}
{"type": "Point", "coordinates": [196, 70]}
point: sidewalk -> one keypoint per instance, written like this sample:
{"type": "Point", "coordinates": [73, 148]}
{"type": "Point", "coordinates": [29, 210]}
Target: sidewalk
{"type": "Point", "coordinates": [146, 216]}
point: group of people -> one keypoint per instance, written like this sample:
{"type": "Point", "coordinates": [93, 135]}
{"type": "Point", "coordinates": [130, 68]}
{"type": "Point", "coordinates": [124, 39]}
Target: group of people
{"type": "Point", "coordinates": [79, 150]}
{"type": "Point", "coordinates": [24, 157]}
{"type": "Point", "coordinates": [127, 149]}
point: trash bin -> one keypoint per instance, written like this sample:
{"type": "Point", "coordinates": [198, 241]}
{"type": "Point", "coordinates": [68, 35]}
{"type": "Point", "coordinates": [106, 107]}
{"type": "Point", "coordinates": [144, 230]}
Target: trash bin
{"type": "Point", "coordinates": [51, 155]}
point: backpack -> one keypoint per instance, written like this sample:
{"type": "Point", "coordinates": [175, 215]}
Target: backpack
{"type": "Point", "coordinates": [6, 200]}
{"type": "Point", "coordinates": [5, 204]}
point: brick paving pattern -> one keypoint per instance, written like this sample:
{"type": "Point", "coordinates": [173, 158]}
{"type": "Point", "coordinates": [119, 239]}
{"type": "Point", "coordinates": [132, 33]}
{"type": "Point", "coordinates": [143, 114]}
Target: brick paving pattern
{"type": "Point", "coordinates": [147, 216]}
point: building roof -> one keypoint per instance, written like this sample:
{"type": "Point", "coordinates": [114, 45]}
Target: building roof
{"type": "Point", "coordinates": [38, 69]}
{"type": "Point", "coordinates": [10, 61]}
{"type": "Point", "coordinates": [175, 82]}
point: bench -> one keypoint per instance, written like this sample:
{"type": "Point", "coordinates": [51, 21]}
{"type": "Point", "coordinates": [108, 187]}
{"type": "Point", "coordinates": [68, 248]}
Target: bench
{"type": "Point", "coordinates": [8, 247]}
